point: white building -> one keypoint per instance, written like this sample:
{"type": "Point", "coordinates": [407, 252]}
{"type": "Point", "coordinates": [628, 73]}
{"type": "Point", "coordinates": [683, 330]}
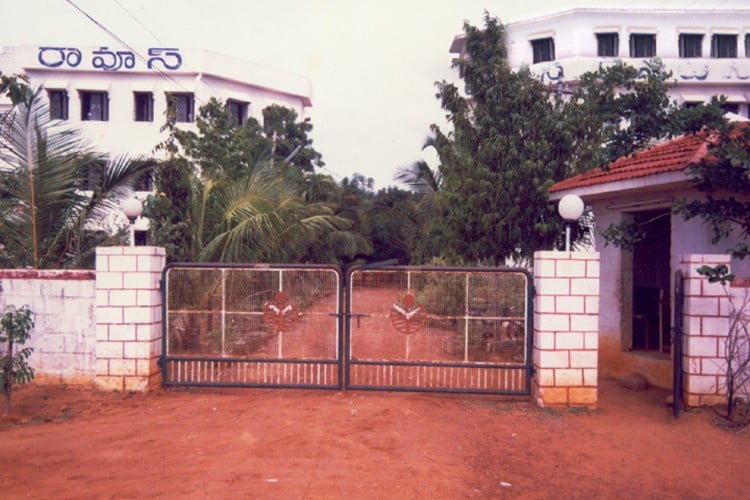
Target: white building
{"type": "Point", "coordinates": [707, 51]}
{"type": "Point", "coordinates": [119, 98]}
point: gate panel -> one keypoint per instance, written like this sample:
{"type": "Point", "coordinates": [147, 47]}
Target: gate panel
{"type": "Point", "coordinates": [244, 325]}
{"type": "Point", "coordinates": [439, 329]}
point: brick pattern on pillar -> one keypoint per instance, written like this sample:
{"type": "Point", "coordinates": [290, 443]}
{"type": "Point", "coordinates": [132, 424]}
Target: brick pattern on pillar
{"type": "Point", "coordinates": [566, 328]}
{"type": "Point", "coordinates": [705, 326]}
{"type": "Point", "coordinates": [128, 317]}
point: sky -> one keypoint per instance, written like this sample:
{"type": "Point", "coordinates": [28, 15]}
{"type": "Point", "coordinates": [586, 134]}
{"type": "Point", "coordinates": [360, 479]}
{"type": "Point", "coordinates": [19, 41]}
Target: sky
{"type": "Point", "coordinates": [372, 64]}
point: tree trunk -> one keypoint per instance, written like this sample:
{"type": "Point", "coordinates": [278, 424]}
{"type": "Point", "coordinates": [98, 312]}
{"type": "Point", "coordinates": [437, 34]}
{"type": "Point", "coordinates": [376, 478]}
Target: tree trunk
{"type": "Point", "coordinates": [8, 369]}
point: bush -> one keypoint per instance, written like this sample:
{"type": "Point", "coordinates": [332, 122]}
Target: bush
{"type": "Point", "coordinates": [16, 326]}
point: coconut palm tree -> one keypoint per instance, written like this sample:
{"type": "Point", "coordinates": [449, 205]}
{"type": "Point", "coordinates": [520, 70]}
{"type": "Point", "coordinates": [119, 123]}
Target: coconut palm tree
{"type": "Point", "coordinates": [426, 183]}
{"type": "Point", "coordinates": [261, 217]}
{"type": "Point", "coordinates": [54, 189]}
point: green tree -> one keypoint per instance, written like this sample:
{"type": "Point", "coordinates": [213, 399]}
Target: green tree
{"type": "Point", "coordinates": [513, 137]}
{"type": "Point", "coordinates": [620, 109]}
{"type": "Point", "coordinates": [220, 145]}
{"type": "Point", "coordinates": [290, 138]}
{"type": "Point", "coordinates": [723, 175]}
{"type": "Point", "coordinates": [54, 190]}
{"type": "Point", "coordinates": [506, 148]}
{"type": "Point", "coordinates": [175, 182]}
{"type": "Point", "coordinates": [423, 208]}
{"type": "Point", "coordinates": [224, 194]}
{"type": "Point", "coordinates": [395, 225]}
{"type": "Point", "coordinates": [15, 330]}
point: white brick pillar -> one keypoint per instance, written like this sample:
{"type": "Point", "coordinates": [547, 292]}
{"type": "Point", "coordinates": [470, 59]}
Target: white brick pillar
{"type": "Point", "coordinates": [705, 326]}
{"type": "Point", "coordinates": [566, 328]}
{"type": "Point", "coordinates": [128, 317]}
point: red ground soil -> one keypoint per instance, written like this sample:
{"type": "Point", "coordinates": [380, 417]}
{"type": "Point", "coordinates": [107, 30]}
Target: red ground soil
{"type": "Point", "coordinates": [68, 442]}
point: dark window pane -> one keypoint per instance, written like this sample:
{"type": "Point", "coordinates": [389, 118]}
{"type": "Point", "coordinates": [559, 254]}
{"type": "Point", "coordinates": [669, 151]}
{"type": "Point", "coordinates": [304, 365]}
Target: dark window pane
{"type": "Point", "coordinates": [181, 105]}
{"type": "Point", "coordinates": [238, 110]}
{"type": "Point", "coordinates": [92, 176]}
{"type": "Point", "coordinates": [544, 49]}
{"type": "Point", "coordinates": [607, 44]}
{"type": "Point", "coordinates": [691, 45]}
{"type": "Point", "coordinates": [141, 238]}
{"type": "Point", "coordinates": [94, 106]}
{"type": "Point", "coordinates": [58, 104]}
{"type": "Point", "coordinates": [144, 106]}
{"type": "Point", "coordinates": [145, 182]}
{"type": "Point", "coordinates": [724, 46]}
{"type": "Point", "coordinates": [642, 45]}
{"type": "Point", "coordinates": [731, 107]}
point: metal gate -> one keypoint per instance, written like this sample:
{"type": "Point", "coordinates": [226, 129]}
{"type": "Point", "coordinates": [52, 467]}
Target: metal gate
{"type": "Point", "coordinates": [439, 329]}
{"type": "Point", "coordinates": [252, 325]}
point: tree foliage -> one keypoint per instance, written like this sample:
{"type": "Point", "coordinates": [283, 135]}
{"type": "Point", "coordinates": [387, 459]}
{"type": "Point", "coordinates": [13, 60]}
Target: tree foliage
{"type": "Point", "coordinates": [221, 146]}
{"type": "Point", "coordinates": [513, 137]}
{"type": "Point", "coordinates": [230, 193]}
{"type": "Point", "coordinates": [54, 189]}
{"type": "Point", "coordinates": [15, 330]}
{"type": "Point", "coordinates": [723, 175]}
{"type": "Point", "coordinates": [506, 149]}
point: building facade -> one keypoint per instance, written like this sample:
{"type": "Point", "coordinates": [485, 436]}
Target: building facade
{"type": "Point", "coordinates": [707, 51]}
{"type": "Point", "coordinates": [119, 99]}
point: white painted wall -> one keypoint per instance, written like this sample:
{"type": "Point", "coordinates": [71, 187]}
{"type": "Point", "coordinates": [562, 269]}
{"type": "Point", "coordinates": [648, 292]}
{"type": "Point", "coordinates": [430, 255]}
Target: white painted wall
{"type": "Point", "coordinates": [64, 334]}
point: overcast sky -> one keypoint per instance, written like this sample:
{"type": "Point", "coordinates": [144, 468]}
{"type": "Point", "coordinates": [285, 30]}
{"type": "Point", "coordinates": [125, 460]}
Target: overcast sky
{"type": "Point", "coordinates": [372, 64]}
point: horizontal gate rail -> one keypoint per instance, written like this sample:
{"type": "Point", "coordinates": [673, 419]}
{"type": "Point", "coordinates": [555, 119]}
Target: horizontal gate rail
{"type": "Point", "coordinates": [439, 329]}
{"type": "Point", "coordinates": [244, 325]}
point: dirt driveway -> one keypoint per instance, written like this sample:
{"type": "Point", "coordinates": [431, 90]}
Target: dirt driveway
{"type": "Point", "coordinates": [78, 443]}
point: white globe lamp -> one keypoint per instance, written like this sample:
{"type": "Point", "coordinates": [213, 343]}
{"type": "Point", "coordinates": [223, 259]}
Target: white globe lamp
{"type": "Point", "coordinates": [570, 209]}
{"type": "Point", "coordinates": [132, 209]}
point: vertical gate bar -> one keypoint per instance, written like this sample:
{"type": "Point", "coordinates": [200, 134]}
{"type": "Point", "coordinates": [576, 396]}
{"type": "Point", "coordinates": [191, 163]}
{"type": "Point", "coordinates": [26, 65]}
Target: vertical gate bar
{"type": "Point", "coordinates": [223, 312]}
{"type": "Point", "coordinates": [466, 318]}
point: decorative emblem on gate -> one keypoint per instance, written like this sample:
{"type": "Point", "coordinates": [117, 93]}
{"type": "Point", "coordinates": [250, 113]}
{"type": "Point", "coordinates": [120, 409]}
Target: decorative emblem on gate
{"type": "Point", "coordinates": [280, 313]}
{"type": "Point", "coordinates": [408, 317]}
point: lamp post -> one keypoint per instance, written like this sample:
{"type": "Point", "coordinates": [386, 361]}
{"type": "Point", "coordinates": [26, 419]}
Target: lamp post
{"type": "Point", "coordinates": [132, 209]}
{"type": "Point", "coordinates": [570, 209]}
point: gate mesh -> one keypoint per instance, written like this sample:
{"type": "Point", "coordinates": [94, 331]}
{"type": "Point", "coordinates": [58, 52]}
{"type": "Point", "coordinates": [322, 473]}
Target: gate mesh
{"type": "Point", "coordinates": [439, 329]}
{"type": "Point", "coordinates": [252, 326]}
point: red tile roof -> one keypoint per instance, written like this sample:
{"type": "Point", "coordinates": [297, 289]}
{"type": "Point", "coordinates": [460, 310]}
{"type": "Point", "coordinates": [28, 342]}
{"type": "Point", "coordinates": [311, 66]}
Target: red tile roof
{"type": "Point", "coordinates": [670, 156]}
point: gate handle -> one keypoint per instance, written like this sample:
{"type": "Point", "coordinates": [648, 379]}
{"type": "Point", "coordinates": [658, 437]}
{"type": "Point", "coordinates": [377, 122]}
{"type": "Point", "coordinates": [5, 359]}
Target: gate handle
{"type": "Point", "coordinates": [358, 316]}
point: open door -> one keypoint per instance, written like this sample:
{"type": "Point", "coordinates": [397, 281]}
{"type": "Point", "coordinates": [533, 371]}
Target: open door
{"type": "Point", "coordinates": [651, 283]}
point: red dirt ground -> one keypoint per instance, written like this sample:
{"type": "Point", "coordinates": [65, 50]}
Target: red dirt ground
{"type": "Point", "coordinates": [68, 442]}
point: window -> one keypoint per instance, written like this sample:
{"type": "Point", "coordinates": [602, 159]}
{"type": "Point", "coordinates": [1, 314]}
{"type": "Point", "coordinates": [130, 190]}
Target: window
{"type": "Point", "coordinates": [642, 45]}
{"type": "Point", "coordinates": [144, 106]}
{"type": "Point", "coordinates": [94, 106]}
{"type": "Point", "coordinates": [724, 46]}
{"type": "Point", "coordinates": [731, 107]}
{"type": "Point", "coordinates": [544, 49]}
{"type": "Point", "coordinates": [692, 104]}
{"type": "Point", "coordinates": [747, 45]}
{"type": "Point", "coordinates": [93, 173]}
{"type": "Point", "coordinates": [238, 110]}
{"type": "Point", "coordinates": [146, 181]}
{"type": "Point", "coordinates": [182, 105]}
{"type": "Point", "coordinates": [141, 238]}
{"type": "Point", "coordinates": [58, 104]}
{"type": "Point", "coordinates": [607, 44]}
{"type": "Point", "coordinates": [691, 45]}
